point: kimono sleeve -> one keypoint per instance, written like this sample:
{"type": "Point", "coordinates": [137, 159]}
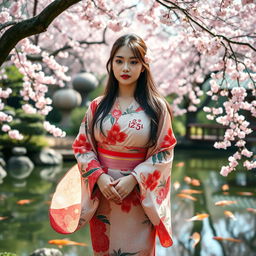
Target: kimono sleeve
{"type": "Point", "coordinates": [154, 179]}
{"type": "Point", "coordinates": [85, 152]}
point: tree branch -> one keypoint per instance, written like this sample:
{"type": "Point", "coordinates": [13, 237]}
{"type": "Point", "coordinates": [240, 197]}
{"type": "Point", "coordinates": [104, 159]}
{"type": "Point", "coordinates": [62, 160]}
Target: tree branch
{"type": "Point", "coordinates": [184, 11]}
{"type": "Point", "coordinates": [68, 47]}
{"type": "Point", "coordinates": [7, 24]}
{"type": "Point", "coordinates": [32, 26]}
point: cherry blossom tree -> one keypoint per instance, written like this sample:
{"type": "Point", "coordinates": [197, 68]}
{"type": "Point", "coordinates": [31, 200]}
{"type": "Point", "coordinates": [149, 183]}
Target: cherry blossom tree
{"type": "Point", "coordinates": [190, 42]}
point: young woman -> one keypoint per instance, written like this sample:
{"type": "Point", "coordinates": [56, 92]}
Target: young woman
{"type": "Point", "coordinates": [124, 151]}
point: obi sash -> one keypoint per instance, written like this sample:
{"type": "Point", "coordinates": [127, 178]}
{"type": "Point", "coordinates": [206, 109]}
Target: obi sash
{"type": "Point", "coordinates": [120, 160]}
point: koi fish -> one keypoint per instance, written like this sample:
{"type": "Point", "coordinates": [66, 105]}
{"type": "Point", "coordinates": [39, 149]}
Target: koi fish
{"type": "Point", "coordinates": [230, 239]}
{"type": "Point", "coordinates": [176, 185]}
{"type": "Point", "coordinates": [195, 182]}
{"type": "Point", "coordinates": [3, 217]}
{"type": "Point", "coordinates": [224, 202]}
{"type": "Point", "coordinates": [191, 191]}
{"type": "Point", "coordinates": [196, 237]}
{"type": "Point", "coordinates": [225, 187]}
{"type": "Point", "coordinates": [230, 215]}
{"type": "Point", "coordinates": [62, 242]}
{"type": "Point", "coordinates": [187, 179]}
{"type": "Point", "coordinates": [199, 217]}
{"type": "Point", "coordinates": [243, 193]}
{"type": "Point", "coordinates": [186, 196]}
{"type": "Point", "coordinates": [24, 201]}
{"type": "Point", "coordinates": [180, 164]}
{"type": "Point", "coordinates": [251, 210]}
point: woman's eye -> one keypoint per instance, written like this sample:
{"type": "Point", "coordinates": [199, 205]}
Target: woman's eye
{"type": "Point", "coordinates": [134, 62]}
{"type": "Point", "coordinates": [118, 61]}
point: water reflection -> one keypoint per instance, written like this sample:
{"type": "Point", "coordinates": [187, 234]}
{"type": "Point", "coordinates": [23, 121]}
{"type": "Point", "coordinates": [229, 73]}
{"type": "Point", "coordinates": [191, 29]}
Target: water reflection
{"type": "Point", "coordinates": [27, 227]}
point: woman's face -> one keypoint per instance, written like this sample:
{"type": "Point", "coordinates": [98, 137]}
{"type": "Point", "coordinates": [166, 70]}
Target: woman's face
{"type": "Point", "coordinates": [126, 67]}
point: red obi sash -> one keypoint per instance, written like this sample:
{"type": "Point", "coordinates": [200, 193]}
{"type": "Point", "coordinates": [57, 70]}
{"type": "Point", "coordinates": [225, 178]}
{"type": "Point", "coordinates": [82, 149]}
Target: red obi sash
{"type": "Point", "coordinates": [120, 160]}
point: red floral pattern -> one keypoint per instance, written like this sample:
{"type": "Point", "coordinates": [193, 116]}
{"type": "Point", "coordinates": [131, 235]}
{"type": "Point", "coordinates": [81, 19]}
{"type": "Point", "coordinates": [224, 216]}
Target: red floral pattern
{"type": "Point", "coordinates": [81, 145]}
{"type": "Point", "coordinates": [114, 135]}
{"type": "Point", "coordinates": [116, 113]}
{"type": "Point", "coordinates": [163, 235]}
{"type": "Point", "coordinates": [93, 106]}
{"type": "Point", "coordinates": [151, 181]}
{"type": "Point", "coordinates": [139, 109]}
{"type": "Point", "coordinates": [131, 199]}
{"type": "Point", "coordinates": [100, 241]}
{"type": "Point", "coordinates": [169, 140]}
{"type": "Point", "coordinates": [163, 191]}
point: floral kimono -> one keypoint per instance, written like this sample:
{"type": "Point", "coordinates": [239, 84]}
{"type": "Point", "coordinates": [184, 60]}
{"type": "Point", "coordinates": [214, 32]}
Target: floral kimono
{"type": "Point", "coordinates": [128, 228]}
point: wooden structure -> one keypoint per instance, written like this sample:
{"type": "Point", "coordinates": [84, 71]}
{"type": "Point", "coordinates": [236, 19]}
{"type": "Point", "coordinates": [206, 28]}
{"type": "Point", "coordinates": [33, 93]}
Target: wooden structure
{"type": "Point", "coordinates": [212, 132]}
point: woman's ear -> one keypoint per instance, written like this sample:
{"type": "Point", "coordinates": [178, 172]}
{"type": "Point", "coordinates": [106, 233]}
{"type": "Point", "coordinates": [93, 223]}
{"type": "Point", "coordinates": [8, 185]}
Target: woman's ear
{"type": "Point", "coordinates": [142, 69]}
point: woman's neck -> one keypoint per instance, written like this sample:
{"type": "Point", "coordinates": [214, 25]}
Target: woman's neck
{"type": "Point", "coordinates": [126, 92]}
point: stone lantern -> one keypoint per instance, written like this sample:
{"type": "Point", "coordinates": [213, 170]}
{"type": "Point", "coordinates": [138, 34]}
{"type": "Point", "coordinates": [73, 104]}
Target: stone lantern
{"type": "Point", "coordinates": [84, 83]}
{"type": "Point", "coordinates": [66, 100]}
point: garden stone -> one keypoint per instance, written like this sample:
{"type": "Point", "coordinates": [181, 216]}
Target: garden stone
{"type": "Point", "coordinates": [20, 167]}
{"type": "Point", "coordinates": [47, 156]}
{"type": "Point", "coordinates": [3, 174]}
{"type": "Point", "coordinates": [2, 162]}
{"type": "Point", "coordinates": [46, 252]}
{"type": "Point", "coordinates": [19, 151]}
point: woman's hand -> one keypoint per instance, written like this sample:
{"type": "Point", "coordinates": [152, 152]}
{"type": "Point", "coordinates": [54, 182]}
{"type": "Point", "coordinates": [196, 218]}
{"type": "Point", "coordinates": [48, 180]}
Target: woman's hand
{"type": "Point", "coordinates": [104, 182]}
{"type": "Point", "coordinates": [124, 185]}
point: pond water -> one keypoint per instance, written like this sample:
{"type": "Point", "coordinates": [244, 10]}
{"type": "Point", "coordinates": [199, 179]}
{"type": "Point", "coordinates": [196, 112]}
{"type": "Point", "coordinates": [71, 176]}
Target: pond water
{"type": "Point", "coordinates": [26, 227]}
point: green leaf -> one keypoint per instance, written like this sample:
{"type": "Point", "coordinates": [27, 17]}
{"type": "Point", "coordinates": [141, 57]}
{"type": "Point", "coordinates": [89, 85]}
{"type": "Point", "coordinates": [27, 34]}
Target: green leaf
{"type": "Point", "coordinates": [90, 172]}
{"type": "Point", "coordinates": [160, 157]}
{"type": "Point", "coordinates": [112, 120]}
{"type": "Point", "coordinates": [128, 253]}
{"type": "Point", "coordinates": [154, 159]}
{"type": "Point", "coordinates": [103, 218]}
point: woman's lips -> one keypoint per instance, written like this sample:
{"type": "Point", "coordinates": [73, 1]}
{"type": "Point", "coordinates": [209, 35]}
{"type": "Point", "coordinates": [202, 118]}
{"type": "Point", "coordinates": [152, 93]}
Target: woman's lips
{"type": "Point", "coordinates": [125, 76]}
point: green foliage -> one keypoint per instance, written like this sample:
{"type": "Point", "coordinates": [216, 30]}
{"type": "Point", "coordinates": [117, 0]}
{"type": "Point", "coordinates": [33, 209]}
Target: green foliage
{"type": "Point", "coordinates": [31, 143]}
{"type": "Point", "coordinates": [25, 117]}
{"type": "Point", "coordinates": [28, 128]}
{"type": "Point", "coordinates": [77, 116]}
{"type": "Point", "coordinates": [7, 254]}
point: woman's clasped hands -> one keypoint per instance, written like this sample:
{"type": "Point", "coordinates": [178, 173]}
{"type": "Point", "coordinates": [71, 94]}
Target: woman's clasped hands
{"type": "Point", "coordinates": [116, 190]}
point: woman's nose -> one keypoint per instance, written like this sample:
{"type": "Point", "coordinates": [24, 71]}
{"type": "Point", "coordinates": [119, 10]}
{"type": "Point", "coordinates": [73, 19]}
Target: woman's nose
{"type": "Point", "coordinates": [126, 67]}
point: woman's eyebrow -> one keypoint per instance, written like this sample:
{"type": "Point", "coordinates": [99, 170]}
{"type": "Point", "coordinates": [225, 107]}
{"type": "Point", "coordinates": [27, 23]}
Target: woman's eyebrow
{"type": "Point", "coordinates": [121, 57]}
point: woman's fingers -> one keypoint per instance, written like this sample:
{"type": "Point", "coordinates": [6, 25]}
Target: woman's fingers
{"type": "Point", "coordinates": [114, 182]}
{"type": "Point", "coordinates": [115, 193]}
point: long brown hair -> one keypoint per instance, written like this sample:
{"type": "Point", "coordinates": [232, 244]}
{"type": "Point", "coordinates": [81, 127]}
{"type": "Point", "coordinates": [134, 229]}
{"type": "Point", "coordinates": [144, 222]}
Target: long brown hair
{"type": "Point", "coordinates": [146, 93]}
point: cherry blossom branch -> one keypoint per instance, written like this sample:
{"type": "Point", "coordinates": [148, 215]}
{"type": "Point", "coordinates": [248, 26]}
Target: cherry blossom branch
{"type": "Point", "coordinates": [184, 11]}
{"type": "Point", "coordinates": [32, 26]}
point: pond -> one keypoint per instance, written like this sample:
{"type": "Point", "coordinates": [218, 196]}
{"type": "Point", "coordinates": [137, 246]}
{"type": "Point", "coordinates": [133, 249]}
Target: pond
{"type": "Point", "coordinates": [26, 226]}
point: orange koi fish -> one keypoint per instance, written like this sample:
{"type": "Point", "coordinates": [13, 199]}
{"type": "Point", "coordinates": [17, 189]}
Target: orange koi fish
{"type": "Point", "coordinates": [187, 179]}
{"type": "Point", "coordinates": [230, 215]}
{"type": "Point", "coordinates": [176, 185]}
{"type": "Point", "coordinates": [230, 239]}
{"type": "Point", "coordinates": [3, 217]}
{"type": "Point", "coordinates": [243, 193]}
{"type": "Point", "coordinates": [224, 202]}
{"type": "Point", "coordinates": [62, 242]}
{"type": "Point", "coordinates": [24, 201]}
{"type": "Point", "coordinates": [199, 217]}
{"type": "Point", "coordinates": [186, 196]}
{"type": "Point", "coordinates": [191, 191]}
{"type": "Point", "coordinates": [195, 182]}
{"type": "Point", "coordinates": [251, 210]}
{"type": "Point", "coordinates": [196, 237]}
{"type": "Point", "coordinates": [225, 187]}
{"type": "Point", "coordinates": [180, 164]}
